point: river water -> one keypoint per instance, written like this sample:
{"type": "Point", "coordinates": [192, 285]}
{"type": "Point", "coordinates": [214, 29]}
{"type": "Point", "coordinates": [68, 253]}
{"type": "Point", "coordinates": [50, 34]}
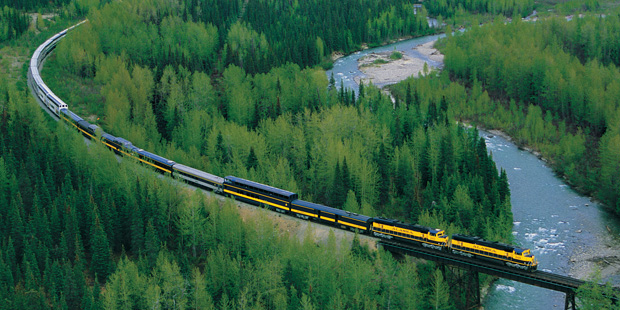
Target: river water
{"type": "Point", "coordinates": [564, 229]}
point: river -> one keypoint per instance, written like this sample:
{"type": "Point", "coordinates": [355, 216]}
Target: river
{"type": "Point", "coordinates": [568, 233]}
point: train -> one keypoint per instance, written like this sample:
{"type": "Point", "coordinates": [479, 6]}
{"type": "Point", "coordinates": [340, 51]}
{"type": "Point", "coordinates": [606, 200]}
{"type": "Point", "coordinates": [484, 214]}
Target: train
{"type": "Point", "coordinates": [276, 199]}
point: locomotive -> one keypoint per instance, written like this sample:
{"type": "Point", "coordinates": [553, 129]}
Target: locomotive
{"type": "Point", "coordinates": [276, 199]}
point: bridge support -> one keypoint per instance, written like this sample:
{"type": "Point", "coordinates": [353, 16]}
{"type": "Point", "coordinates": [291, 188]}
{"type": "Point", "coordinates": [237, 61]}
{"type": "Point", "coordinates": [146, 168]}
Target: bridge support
{"type": "Point", "coordinates": [466, 281]}
{"type": "Point", "coordinates": [569, 304]}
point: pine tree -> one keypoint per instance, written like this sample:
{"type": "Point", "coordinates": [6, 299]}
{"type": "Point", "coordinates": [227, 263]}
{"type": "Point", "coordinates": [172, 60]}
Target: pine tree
{"type": "Point", "coordinates": [384, 176]}
{"type": "Point", "coordinates": [137, 230]}
{"type": "Point", "coordinates": [101, 260]}
{"type": "Point", "coordinates": [440, 292]}
{"type": "Point", "coordinates": [504, 189]}
{"type": "Point", "coordinates": [360, 91]}
{"type": "Point", "coordinates": [346, 178]}
{"type": "Point", "coordinates": [222, 154]}
{"type": "Point", "coordinates": [201, 298]}
{"type": "Point", "coordinates": [16, 224]}
{"type": "Point", "coordinates": [255, 116]}
{"type": "Point", "coordinates": [431, 115]}
{"type": "Point", "coordinates": [408, 96]}
{"type": "Point", "coordinates": [336, 191]}
{"type": "Point", "coordinates": [252, 161]}
{"type": "Point", "coordinates": [152, 243]}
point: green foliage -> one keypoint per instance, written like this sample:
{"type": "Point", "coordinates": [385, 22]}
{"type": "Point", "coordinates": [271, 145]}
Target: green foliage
{"type": "Point", "coordinates": [556, 90]}
{"type": "Point", "coordinates": [396, 55]}
{"type": "Point", "coordinates": [12, 22]}
{"type": "Point", "coordinates": [227, 89]}
{"type": "Point", "coordinates": [379, 61]}
{"type": "Point", "coordinates": [509, 8]}
{"type": "Point", "coordinates": [592, 295]}
{"type": "Point", "coordinates": [440, 292]}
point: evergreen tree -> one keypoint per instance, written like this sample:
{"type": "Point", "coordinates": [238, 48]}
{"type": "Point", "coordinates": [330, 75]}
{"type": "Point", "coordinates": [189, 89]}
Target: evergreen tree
{"type": "Point", "coordinates": [222, 153]}
{"type": "Point", "coordinates": [408, 96]}
{"type": "Point", "coordinates": [431, 115]}
{"type": "Point", "coordinates": [384, 179]}
{"type": "Point", "coordinates": [345, 177]}
{"type": "Point", "coordinates": [252, 161]}
{"type": "Point", "coordinates": [101, 260]}
{"type": "Point", "coordinates": [361, 89]}
{"type": "Point", "coordinates": [337, 193]}
{"type": "Point", "coordinates": [137, 230]}
{"type": "Point", "coordinates": [440, 292]}
{"type": "Point", "coordinates": [152, 244]}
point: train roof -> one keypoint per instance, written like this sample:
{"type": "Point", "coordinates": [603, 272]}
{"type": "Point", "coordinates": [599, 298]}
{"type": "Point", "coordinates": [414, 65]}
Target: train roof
{"type": "Point", "coordinates": [323, 208]}
{"type": "Point", "coordinates": [416, 227]}
{"type": "Point", "coordinates": [124, 142]}
{"type": "Point", "coordinates": [198, 173]}
{"type": "Point", "coordinates": [155, 157]}
{"type": "Point", "coordinates": [107, 136]}
{"type": "Point", "coordinates": [491, 244]}
{"type": "Point", "coordinates": [267, 188]}
{"type": "Point", "coordinates": [72, 115]}
{"type": "Point", "coordinates": [84, 123]}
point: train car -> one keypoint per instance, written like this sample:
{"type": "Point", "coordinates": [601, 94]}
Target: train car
{"type": "Point", "coordinates": [259, 194]}
{"type": "Point", "coordinates": [199, 178]}
{"type": "Point", "coordinates": [332, 216]}
{"type": "Point", "coordinates": [501, 253]}
{"type": "Point", "coordinates": [71, 118]}
{"type": "Point", "coordinates": [409, 233]}
{"type": "Point", "coordinates": [87, 129]}
{"type": "Point", "coordinates": [111, 142]}
{"type": "Point", "coordinates": [55, 104]}
{"type": "Point", "coordinates": [162, 164]}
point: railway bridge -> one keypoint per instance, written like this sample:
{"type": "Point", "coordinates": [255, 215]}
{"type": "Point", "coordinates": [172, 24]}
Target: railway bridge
{"type": "Point", "coordinates": [465, 272]}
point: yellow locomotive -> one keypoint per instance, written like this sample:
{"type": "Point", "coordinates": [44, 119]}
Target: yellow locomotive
{"type": "Point", "coordinates": [497, 252]}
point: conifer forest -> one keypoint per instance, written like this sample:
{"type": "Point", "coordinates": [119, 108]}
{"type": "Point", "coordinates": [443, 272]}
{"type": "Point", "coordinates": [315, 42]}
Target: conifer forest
{"type": "Point", "coordinates": [239, 88]}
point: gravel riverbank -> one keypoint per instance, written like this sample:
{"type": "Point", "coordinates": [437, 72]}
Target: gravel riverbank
{"type": "Point", "coordinates": [379, 69]}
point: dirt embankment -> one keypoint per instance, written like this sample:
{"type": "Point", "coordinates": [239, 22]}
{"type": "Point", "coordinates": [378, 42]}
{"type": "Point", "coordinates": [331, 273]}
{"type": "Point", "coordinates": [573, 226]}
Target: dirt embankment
{"type": "Point", "coordinates": [295, 227]}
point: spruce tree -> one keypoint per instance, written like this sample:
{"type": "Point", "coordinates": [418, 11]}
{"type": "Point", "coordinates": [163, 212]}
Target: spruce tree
{"type": "Point", "coordinates": [151, 243]}
{"type": "Point", "coordinates": [252, 161]}
{"type": "Point", "coordinates": [408, 96]}
{"type": "Point", "coordinates": [101, 260]}
{"type": "Point", "coordinates": [336, 192]}
{"type": "Point", "coordinates": [384, 176]}
{"type": "Point", "coordinates": [346, 178]}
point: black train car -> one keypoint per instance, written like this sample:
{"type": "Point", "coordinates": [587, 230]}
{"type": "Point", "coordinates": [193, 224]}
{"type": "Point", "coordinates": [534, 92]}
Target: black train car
{"type": "Point", "coordinates": [258, 194]}
{"type": "Point", "coordinates": [110, 141]}
{"type": "Point", "coordinates": [87, 129]}
{"type": "Point", "coordinates": [332, 216]}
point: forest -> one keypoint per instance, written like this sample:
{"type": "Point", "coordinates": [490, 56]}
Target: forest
{"type": "Point", "coordinates": [128, 239]}
{"type": "Point", "coordinates": [552, 85]}
{"type": "Point", "coordinates": [237, 88]}
{"type": "Point", "coordinates": [12, 23]}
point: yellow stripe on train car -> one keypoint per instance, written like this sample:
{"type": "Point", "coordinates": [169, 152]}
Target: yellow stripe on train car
{"type": "Point", "coordinates": [352, 225]}
{"type": "Point", "coordinates": [304, 213]}
{"type": "Point", "coordinates": [255, 199]}
{"type": "Point", "coordinates": [243, 189]}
